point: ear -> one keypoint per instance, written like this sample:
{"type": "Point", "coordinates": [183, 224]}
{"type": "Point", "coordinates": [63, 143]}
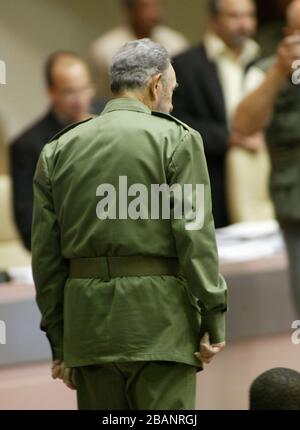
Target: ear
{"type": "Point", "coordinates": [155, 85]}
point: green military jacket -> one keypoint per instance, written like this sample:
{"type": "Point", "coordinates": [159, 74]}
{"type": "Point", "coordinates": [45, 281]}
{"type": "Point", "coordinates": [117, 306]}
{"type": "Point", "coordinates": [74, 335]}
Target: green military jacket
{"type": "Point", "coordinates": [92, 321]}
{"type": "Point", "coordinates": [283, 139]}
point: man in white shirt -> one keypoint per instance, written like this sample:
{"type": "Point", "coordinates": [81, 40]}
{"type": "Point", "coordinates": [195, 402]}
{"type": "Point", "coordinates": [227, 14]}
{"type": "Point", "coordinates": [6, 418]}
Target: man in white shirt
{"type": "Point", "coordinates": [211, 84]}
{"type": "Point", "coordinates": [231, 67]}
{"type": "Point", "coordinates": [144, 19]}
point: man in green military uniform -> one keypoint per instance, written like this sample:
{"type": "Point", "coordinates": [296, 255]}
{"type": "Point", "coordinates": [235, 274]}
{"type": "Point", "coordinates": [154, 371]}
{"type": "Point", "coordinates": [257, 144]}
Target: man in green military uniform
{"type": "Point", "coordinates": [127, 296]}
{"type": "Point", "coordinates": [275, 105]}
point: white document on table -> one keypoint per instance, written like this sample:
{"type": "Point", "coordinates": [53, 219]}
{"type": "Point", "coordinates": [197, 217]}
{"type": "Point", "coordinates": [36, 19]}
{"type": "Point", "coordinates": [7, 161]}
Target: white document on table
{"type": "Point", "coordinates": [249, 241]}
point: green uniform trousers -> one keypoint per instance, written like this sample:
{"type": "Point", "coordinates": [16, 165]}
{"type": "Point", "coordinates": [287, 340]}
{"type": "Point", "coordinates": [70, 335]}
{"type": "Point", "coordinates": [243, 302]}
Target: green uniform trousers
{"type": "Point", "coordinates": [151, 385]}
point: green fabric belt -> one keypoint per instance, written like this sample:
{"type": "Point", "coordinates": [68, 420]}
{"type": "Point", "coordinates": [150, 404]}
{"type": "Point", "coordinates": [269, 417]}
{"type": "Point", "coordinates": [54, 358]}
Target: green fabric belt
{"type": "Point", "coordinates": [111, 267]}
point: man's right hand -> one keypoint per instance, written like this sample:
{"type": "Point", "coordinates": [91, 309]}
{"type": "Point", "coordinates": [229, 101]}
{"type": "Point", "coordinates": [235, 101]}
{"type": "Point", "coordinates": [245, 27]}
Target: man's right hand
{"type": "Point", "coordinates": [57, 369]}
{"type": "Point", "coordinates": [288, 52]}
{"type": "Point", "coordinates": [207, 350]}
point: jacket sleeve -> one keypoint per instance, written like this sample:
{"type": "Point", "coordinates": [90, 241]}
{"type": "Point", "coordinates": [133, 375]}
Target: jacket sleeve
{"type": "Point", "coordinates": [50, 269]}
{"type": "Point", "coordinates": [196, 248]}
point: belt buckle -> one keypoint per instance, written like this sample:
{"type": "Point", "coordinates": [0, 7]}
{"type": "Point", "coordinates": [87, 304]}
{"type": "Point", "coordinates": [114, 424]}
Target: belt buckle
{"type": "Point", "coordinates": [104, 264]}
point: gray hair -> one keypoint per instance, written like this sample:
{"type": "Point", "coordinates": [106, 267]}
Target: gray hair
{"type": "Point", "coordinates": [136, 63]}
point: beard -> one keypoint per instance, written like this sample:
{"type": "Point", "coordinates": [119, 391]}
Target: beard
{"type": "Point", "coordinates": [239, 41]}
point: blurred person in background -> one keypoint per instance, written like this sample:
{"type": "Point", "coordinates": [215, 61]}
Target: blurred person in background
{"type": "Point", "coordinates": [211, 84]}
{"type": "Point", "coordinates": [271, 20]}
{"type": "Point", "coordinates": [144, 19]}
{"type": "Point", "coordinates": [70, 92]}
{"type": "Point", "coordinates": [275, 105]}
{"type": "Point", "coordinates": [276, 390]}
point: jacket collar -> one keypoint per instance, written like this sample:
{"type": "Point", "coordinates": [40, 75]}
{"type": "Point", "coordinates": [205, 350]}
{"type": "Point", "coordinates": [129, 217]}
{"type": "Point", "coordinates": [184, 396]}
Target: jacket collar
{"type": "Point", "coordinates": [126, 104]}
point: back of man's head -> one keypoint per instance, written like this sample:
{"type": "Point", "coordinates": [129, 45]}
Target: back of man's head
{"type": "Point", "coordinates": [276, 389]}
{"type": "Point", "coordinates": [135, 63]}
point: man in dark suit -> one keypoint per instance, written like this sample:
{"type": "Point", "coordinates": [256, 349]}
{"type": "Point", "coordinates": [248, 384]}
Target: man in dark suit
{"type": "Point", "coordinates": [210, 80]}
{"type": "Point", "coordinates": [70, 93]}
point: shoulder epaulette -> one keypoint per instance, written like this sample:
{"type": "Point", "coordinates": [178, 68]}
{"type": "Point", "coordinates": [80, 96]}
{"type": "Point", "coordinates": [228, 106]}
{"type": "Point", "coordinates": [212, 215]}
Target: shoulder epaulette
{"type": "Point", "coordinates": [68, 128]}
{"type": "Point", "coordinates": [171, 118]}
